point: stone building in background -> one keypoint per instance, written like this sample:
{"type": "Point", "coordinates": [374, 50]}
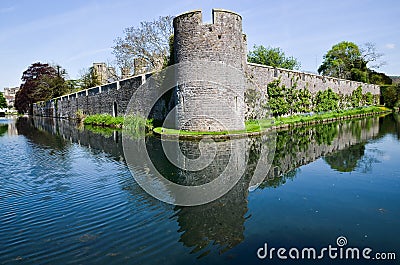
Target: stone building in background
{"type": "Point", "coordinates": [125, 72]}
{"type": "Point", "coordinates": [105, 74]}
{"type": "Point", "coordinates": [9, 94]}
{"type": "Point", "coordinates": [141, 66]}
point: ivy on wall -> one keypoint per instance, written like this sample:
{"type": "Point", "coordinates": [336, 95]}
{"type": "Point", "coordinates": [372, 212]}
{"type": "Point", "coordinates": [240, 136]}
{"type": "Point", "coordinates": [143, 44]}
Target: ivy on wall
{"type": "Point", "coordinates": [326, 100]}
{"type": "Point", "coordinates": [369, 98]}
{"type": "Point", "coordinates": [278, 98]}
{"type": "Point", "coordinates": [285, 100]}
{"type": "Point", "coordinates": [356, 97]}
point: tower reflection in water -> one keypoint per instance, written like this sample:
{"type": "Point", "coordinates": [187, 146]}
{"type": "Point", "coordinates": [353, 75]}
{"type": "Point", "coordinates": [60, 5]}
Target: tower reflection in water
{"type": "Point", "coordinates": [221, 223]}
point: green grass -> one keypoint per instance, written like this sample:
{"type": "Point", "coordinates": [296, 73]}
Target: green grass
{"type": "Point", "coordinates": [260, 125]}
{"type": "Point", "coordinates": [250, 127]}
{"type": "Point", "coordinates": [104, 120]}
{"type": "Point", "coordinates": [161, 130]}
{"type": "Point", "coordinates": [135, 123]}
{"type": "Point", "coordinates": [329, 115]}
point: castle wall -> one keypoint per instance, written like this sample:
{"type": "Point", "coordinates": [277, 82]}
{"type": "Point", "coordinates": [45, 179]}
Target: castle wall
{"type": "Point", "coordinates": [261, 75]}
{"type": "Point", "coordinates": [204, 105]}
{"type": "Point", "coordinates": [112, 98]}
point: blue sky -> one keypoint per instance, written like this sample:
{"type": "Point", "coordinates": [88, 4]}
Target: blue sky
{"type": "Point", "coordinates": [74, 34]}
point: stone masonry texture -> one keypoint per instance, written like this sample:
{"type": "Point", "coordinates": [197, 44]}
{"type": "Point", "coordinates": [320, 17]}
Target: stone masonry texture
{"type": "Point", "coordinates": [201, 105]}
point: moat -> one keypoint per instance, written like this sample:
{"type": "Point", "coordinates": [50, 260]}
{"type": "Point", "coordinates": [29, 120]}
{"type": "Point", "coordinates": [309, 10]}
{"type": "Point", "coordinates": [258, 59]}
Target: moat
{"type": "Point", "coordinates": [68, 197]}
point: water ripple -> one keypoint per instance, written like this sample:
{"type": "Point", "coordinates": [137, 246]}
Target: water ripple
{"type": "Point", "coordinates": [66, 205]}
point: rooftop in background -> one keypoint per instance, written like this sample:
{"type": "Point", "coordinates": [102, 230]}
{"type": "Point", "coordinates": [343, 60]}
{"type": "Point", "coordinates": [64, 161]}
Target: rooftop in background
{"type": "Point", "coordinates": [395, 79]}
{"type": "Point", "coordinates": [9, 94]}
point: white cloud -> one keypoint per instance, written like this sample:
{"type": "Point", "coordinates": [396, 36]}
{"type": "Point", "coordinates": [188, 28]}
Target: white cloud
{"type": "Point", "coordinates": [390, 46]}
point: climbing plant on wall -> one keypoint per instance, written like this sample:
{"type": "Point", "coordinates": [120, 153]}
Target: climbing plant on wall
{"type": "Point", "coordinates": [278, 100]}
{"type": "Point", "coordinates": [305, 100]}
{"type": "Point", "coordinates": [369, 98]}
{"type": "Point", "coordinates": [356, 97]}
{"type": "Point", "coordinates": [326, 100]}
{"type": "Point", "coordinates": [290, 100]}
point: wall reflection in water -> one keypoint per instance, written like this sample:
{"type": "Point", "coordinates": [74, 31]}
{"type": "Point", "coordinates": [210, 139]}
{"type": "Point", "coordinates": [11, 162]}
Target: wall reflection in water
{"type": "Point", "coordinates": [221, 223]}
{"type": "Point", "coordinates": [7, 127]}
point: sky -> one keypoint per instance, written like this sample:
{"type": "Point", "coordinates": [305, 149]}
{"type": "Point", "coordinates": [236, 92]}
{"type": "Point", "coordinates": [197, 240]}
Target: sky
{"type": "Point", "coordinates": [75, 33]}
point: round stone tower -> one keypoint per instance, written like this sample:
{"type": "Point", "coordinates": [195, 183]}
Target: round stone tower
{"type": "Point", "coordinates": [206, 104]}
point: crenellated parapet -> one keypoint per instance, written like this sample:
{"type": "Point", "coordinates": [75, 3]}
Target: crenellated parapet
{"type": "Point", "coordinates": [206, 105]}
{"type": "Point", "coordinates": [220, 41]}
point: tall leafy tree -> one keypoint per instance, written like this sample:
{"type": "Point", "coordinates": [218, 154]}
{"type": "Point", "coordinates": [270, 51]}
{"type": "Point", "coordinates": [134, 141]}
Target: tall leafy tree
{"type": "Point", "coordinates": [274, 57]}
{"type": "Point", "coordinates": [3, 102]}
{"type": "Point", "coordinates": [147, 44]}
{"type": "Point", "coordinates": [349, 61]}
{"type": "Point", "coordinates": [41, 81]}
{"type": "Point", "coordinates": [391, 95]}
{"type": "Point", "coordinates": [341, 59]}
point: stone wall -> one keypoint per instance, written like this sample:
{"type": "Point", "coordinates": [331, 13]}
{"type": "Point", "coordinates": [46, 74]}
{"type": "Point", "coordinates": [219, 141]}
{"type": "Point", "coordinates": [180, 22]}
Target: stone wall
{"type": "Point", "coordinates": [112, 98]}
{"type": "Point", "coordinates": [204, 105]}
{"type": "Point", "coordinates": [262, 75]}
{"type": "Point", "coordinates": [259, 76]}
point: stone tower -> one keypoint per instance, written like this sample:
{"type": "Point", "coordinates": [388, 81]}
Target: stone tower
{"type": "Point", "coordinates": [205, 105]}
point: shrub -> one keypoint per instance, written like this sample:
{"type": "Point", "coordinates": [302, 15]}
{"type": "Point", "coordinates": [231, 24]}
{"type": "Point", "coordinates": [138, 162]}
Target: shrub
{"type": "Point", "coordinates": [104, 120]}
{"type": "Point", "coordinates": [326, 100]}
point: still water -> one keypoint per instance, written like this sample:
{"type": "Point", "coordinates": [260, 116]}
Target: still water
{"type": "Point", "coordinates": [68, 197]}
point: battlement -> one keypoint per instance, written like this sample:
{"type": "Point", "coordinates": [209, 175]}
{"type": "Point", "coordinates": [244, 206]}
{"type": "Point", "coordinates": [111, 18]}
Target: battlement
{"type": "Point", "coordinates": [193, 17]}
{"type": "Point", "coordinates": [202, 105]}
{"type": "Point", "coordinates": [222, 40]}
{"type": "Point", "coordinates": [219, 16]}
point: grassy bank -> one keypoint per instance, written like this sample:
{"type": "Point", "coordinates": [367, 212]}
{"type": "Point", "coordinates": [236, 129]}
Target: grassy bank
{"type": "Point", "coordinates": [256, 126]}
{"type": "Point", "coordinates": [252, 126]}
{"type": "Point", "coordinates": [104, 120]}
{"type": "Point", "coordinates": [329, 115]}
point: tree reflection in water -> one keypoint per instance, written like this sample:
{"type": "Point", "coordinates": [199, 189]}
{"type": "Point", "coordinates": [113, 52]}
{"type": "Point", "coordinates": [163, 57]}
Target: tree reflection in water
{"type": "Point", "coordinates": [346, 160]}
{"type": "Point", "coordinates": [220, 224]}
{"type": "Point", "coordinates": [3, 129]}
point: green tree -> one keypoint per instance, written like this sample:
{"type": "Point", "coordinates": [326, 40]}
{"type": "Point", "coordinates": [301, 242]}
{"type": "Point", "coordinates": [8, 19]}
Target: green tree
{"type": "Point", "coordinates": [369, 98]}
{"type": "Point", "coordinates": [391, 95]}
{"type": "Point", "coordinates": [348, 61]}
{"type": "Point", "coordinates": [73, 85]}
{"type": "Point", "coordinates": [88, 79]}
{"type": "Point", "coordinates": [356, 97]}
{"type": "Point", "coordinates": [41, 81]}
{"type": "Point", "coordinates": [149, 43]}
{"type": "Point", "coordinates": [326, 100]}
{"type": "Point", "coordinates": [341, 59]}
{"type": "Point", "coordinates": [278, 100]}
{"type": "Point", "coordinates": [378, 78]}
{"type": "Point", "coordinates": [3, 102]}
{"type": "Point", "coordinates": [274, 57]}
